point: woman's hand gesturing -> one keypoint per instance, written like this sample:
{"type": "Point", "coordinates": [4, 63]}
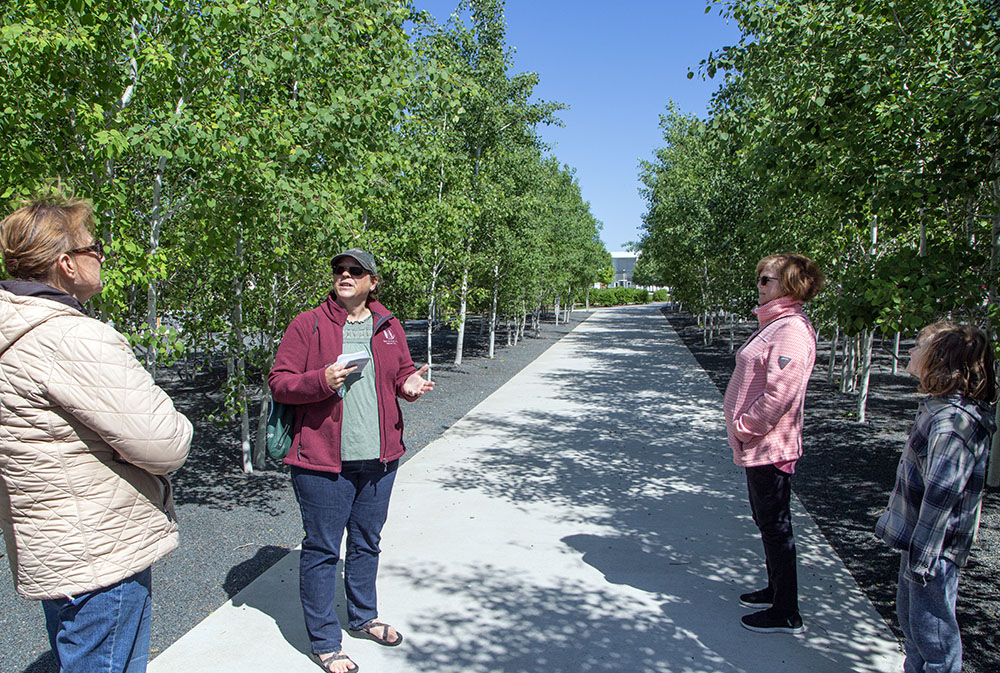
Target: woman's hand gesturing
{"type": "Point", "coordinates": [416, 385]}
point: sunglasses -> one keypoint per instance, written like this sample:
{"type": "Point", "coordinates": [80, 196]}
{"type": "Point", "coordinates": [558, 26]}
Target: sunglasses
{"type": "Point", "coordinates": [355, 271]}
{"type": "Point", "coordinates": [96, 248]}
{"type": "Point", "coordinates": [764, 280]}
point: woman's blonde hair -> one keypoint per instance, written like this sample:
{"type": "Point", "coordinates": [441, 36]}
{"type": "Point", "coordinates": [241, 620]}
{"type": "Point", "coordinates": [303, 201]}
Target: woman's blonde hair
{"type": "Point", "coordinates": [957, 359]}
{"type": "Point", "coordinates": [799, 276]}
{"type": "Point", "coordinates": [34, 235]}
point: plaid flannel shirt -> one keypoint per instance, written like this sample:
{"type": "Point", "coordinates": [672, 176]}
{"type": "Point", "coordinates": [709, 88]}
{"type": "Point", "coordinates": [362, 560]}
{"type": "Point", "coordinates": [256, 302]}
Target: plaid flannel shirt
{"type": "Point", "coordinates": [933, 511]}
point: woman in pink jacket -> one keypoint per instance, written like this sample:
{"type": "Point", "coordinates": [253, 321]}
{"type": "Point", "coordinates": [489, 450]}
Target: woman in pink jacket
{"type": "Point", "coordinates": [763, 405]}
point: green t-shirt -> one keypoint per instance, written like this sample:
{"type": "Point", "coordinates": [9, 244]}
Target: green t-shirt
{"type": "Point", "coordinates": [359, 436]}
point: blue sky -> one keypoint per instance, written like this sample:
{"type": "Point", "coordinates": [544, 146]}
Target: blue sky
{"type": "Point", "coordinates": [616, 65]}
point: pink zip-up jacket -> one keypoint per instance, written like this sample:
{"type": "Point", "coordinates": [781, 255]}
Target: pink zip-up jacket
{"type": "Point", "coordinates": [766, 396]}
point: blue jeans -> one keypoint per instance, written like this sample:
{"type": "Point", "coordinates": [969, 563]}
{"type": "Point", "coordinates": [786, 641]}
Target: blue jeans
{"type": "Point", "coordinates": [770, 492]}
{"type": "Point", "coordinates": [357, 500]}
{"type": "Point", "coordinates": [105, 630]}
{"type": "Point", "coordinates": [927, 617]}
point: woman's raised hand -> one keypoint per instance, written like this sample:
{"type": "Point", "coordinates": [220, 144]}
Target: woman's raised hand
{"type": "Point", "coordinates": [416, 385]}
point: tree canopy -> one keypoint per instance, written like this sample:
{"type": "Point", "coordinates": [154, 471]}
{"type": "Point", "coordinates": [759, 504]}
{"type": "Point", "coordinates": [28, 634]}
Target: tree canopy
{"type": "Point", "coordinates": [232, 148]}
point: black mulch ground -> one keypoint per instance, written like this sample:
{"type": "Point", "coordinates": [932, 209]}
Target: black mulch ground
{"type": "Point", "coordinates": [846, 473]}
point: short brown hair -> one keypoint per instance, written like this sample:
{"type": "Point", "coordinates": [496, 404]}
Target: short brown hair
{"type": "Point", "coordinates": [34, 235]}
{"type": "Point", "coordinates": [957, 359]}
{"type": "Point", "coordinates": [799, 276]}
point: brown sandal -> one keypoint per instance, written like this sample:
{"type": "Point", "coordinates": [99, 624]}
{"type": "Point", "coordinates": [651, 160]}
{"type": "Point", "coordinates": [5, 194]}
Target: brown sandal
{"type": "Point", "coordinates": [369, 631]}
{"type": "Point", "coordinates": [340, 656]}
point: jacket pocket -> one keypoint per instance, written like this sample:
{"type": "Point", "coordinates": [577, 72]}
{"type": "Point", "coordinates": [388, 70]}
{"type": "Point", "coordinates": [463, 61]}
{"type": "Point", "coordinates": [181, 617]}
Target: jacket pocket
{"type": "Point", "coordinates": [166, 502]}
{"type": "Point", "coordinates": [753, 447]}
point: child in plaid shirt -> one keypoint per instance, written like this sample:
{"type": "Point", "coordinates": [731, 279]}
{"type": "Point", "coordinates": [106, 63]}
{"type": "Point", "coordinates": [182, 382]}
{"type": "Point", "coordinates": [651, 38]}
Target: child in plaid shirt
{"type": "Point", "coordinates": [933, 512]}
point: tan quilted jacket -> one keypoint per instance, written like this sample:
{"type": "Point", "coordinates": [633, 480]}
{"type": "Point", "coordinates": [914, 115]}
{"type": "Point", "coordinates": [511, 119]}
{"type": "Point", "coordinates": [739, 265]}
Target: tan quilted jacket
{"type": "Point", "coordinates": [86, 438]}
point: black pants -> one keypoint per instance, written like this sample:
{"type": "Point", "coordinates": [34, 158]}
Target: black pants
{"type": "Point", "coordinates": [770, 490]}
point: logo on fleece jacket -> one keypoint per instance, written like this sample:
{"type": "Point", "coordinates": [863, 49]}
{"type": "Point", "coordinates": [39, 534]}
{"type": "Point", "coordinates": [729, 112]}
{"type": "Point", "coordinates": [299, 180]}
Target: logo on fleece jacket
{"type": "Point", "coordinates": [783, 362]}
{"type": "Point", "coordinates": [389, 337]}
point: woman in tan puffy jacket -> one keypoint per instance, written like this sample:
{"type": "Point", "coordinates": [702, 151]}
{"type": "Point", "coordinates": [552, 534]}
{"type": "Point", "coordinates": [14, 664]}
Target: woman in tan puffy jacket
{"type": "Point", "coordinates": [86, 442]}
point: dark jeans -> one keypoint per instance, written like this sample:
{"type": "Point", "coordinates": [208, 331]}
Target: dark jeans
{"type": "Point", "coordinates": [770, 491]}
{"type": "Point", "coordinates": [102, 630]}
{"type": "Point", "coordinates": [357, 500]}
{"type": "Point", "coordinates": [927, 617]}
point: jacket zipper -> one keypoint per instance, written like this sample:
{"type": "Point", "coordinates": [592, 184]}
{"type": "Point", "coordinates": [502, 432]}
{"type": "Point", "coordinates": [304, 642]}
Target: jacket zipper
{"type": "Point", "coordinates": [298, 449]}
{"type": "Point", "coordinates": [378, 407]}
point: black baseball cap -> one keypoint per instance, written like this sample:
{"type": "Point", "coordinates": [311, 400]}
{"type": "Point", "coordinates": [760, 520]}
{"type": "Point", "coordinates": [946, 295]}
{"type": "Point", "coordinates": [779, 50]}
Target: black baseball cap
{"type": "Point", "coordinates": [366, 261]}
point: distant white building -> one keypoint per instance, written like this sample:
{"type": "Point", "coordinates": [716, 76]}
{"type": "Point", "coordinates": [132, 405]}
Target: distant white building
{"type": "Point", "coordinates": [624, 263]}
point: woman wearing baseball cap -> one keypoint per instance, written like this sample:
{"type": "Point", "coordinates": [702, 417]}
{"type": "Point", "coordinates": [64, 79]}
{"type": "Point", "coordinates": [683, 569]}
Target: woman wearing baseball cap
{"type": "Point", "coordinates": [346, 445]}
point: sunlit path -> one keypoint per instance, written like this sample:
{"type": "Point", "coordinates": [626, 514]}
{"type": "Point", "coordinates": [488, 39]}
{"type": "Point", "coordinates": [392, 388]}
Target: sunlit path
{"type": "Point", "coordinates": [585, 517]}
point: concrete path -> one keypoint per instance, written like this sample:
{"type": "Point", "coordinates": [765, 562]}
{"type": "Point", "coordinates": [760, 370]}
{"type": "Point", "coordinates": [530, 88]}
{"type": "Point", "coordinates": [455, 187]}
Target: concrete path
{"type": "Point", "coordinates": [585, 517]}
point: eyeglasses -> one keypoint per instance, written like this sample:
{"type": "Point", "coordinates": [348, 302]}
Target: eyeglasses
{"type": "Point", "coordinates": [764, 280]}
{"type": "Point", "coordinates": [355, 271]}
{"type": "Point", "coordinates": [96, 248]}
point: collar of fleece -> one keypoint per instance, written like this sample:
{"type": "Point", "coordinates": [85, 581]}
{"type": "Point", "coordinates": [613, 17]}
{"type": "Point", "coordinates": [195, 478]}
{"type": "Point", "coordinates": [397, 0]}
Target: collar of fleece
{"type": "Point", "coordinates": [777, 308]}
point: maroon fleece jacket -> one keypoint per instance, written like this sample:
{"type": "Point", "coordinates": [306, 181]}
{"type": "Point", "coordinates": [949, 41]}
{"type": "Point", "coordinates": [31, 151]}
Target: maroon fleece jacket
{"type": "Point", "coordinates": [312, 342]}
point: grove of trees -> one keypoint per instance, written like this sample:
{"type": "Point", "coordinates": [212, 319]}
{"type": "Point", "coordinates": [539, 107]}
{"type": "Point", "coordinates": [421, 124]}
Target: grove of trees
{"type": "Point", "coordinates": [863, 133]}
{"type": "Point", "coordinates": [231, 148]}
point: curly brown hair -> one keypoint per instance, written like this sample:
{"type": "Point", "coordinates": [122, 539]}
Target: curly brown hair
{"type": "Point", "coordinates": [799, 276]}
{"type": "Point", "coordinates": [957, 359]}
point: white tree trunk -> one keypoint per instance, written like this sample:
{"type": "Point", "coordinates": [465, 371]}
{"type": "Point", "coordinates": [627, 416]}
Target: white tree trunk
{"type": "Point", "coordinates": [264, 392]}
{"type": "Point", "coordinates": [260, 438]}
{"type": "Point", "coordinates": [462, 304]}
{"type": "Point", "coordinates": [867, 341]}
{"type": "Point", "coordinates": [833, 355]}
{"type": "Point", "coordinates": [855, 360]}
{"type": "Point", "coordinates": [536, 319]}
{"type": "Point", "coordinates": [155, 227]}
{"type": "Point", "coordinates": [237, 372]}
{"type": "Point", "coordinates": [256, 462]}
{"type": "Point", "coordinates": [157, 216]}
{"type": "Point", "coordinates": [493, 311]}
{"type": "Point", "coordinates": [845, 363]}
{"type": "Point", "coordinates": [895, 354]}
{"type": "Point", "coordinates": [430, 326]}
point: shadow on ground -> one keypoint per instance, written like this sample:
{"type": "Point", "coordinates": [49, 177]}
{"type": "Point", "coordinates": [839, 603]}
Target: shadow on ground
{"type": "Point", "coordinates": [632, 459]}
